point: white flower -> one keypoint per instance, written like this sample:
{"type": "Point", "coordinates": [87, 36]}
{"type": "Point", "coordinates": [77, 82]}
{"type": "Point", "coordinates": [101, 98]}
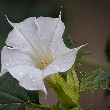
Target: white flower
{"type": "Point", "coordinates": [35, 49]}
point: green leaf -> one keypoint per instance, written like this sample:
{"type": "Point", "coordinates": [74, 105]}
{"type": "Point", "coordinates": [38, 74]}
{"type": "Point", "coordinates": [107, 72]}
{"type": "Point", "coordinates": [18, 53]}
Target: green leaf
{"type": "Point", "coordinates": [68, 96]}
{"type": "Point", "coordinates": [34, 96]}
{"type": "Point", "coordinates": [12, 106]}
{"type": "Point", "coordinates": [11, 94]}
{"type": "Point", "coordinates": [10, 86]}
{"type": "Point", "coordinates": [94, 80]}
{"type": "Point", "coordinates": [72, 79]}
{"type": "Point", "coordinates": [67, 39]}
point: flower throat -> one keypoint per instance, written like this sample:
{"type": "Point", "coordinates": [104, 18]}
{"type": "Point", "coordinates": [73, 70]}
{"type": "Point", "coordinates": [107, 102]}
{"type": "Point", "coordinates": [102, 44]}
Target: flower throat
{"type": "Point", "coordinates": [43, 64]}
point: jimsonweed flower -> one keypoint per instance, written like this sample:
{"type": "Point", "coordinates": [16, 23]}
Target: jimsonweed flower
{"type": "Point", "coordinates": [35, 49]}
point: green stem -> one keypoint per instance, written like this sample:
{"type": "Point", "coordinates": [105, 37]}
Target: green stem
{"type": "Point", "coordinates": [67, 96]}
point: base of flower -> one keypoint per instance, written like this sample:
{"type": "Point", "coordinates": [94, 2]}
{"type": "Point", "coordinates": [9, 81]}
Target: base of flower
{"type": "Point", "coordinates": [67, 96]}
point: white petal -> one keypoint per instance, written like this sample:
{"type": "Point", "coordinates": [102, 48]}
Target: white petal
{"type": "Point", "coordinates": [39, 32]}
{"type": "Point", "coordinates": [58, 47]}
{"type": "Point", "coordinates": [44, 34]}
{"type": "Point", "coordinates": [18, 41]}
{"type": "Point", "coordinates": [61, 64]}
{"type": "Point", "coordinates": [46, 28]}
{"type": "Point", "coordinates": [12, 24]}
{"type": "Point", "coordinates": [29, 31]}
{"type": "Point", "coordinates": [12, 57]}
{"type": "Point", "coordinates": [29, 77]}
{"type": "Point", "coordinates": [26, 31]}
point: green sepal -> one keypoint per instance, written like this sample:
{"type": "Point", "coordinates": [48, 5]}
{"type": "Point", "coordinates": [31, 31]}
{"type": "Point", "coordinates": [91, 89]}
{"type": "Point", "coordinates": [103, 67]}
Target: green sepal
{"type": "Point", "coordinates": [92, 81]}
{"type": "Point", "coordinates": [72, 79]}
{"type": "Point", "coordinates": [68, 96]}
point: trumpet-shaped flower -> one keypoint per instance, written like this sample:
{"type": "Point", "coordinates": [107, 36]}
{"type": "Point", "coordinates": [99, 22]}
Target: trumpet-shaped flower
{"type": "Point", "coordinates": [35, 49]}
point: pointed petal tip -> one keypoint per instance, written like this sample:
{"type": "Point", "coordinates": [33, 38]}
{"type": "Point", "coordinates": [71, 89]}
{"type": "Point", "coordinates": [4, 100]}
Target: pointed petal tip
{"type": "Point", "coordinates": [45, 91]}
{"type": "Point", "coordinates": [35, 20]}
{"type": "Point", "coordinates": [82, 45]}
{"type": "Point", "coordinates": [60, 13]}
{"type": "Point", "coordinates": [9, 21]}
{"type": "Point", "coordinates": [85, 44]}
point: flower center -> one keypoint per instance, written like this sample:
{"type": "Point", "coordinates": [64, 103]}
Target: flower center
{"type": "Point", "coordinates": [43, 64]}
